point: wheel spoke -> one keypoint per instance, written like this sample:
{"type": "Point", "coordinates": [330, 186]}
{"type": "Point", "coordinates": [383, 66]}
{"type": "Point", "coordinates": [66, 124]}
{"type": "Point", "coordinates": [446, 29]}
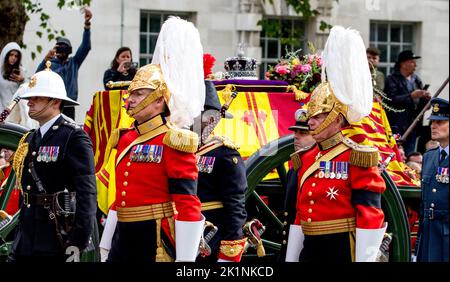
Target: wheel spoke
{"type": "Point", "coordinates": [264, 208]}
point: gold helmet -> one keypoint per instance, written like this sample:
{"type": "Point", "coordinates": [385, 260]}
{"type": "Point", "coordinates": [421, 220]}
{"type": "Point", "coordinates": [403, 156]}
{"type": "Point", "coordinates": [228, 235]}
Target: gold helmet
{"type": "Point", "coordinates": [323, 101]}
{"type": "Point", "coordinates": [346, 86]}
{"type": "Point", "coordinates": [149, 77]}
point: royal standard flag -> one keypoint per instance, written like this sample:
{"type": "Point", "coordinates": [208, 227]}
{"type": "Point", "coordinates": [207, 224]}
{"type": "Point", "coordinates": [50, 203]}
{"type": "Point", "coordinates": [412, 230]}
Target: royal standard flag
{"type": "Point", "coordinates": [106, 113]}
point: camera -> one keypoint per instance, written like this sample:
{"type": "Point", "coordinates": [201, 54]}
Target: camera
{"type": "Point", "coordinates": [63, 49]}
{"type": "Point", "coordinates": [130, 65]}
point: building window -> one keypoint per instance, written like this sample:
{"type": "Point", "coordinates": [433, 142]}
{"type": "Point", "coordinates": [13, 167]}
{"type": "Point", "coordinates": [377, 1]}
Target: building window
{"type": "Point", "coordinates": [150, 26]}
{"type": "Point", "coordinates": [391, 38]}
{"type": "Point", "coordinates": [279, 36]}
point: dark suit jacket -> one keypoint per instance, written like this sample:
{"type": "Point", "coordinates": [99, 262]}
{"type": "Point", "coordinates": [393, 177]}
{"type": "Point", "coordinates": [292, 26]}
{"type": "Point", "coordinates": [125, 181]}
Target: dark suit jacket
{"type": "Point", "coordinates": [397, 90]}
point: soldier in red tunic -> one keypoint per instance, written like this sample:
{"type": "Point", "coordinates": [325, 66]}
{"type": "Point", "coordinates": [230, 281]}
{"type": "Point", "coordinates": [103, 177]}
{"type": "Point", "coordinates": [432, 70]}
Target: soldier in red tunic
{"type": "Point", "coordinates": [156, 205]}
{"type": "Point", "coordinates": [339, 216]}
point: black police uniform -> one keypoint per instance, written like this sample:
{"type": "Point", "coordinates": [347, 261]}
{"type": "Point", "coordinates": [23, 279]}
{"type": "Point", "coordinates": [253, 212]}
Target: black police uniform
{"type": "Point", "coordinates": [290, 199]}
{"type": "Point", "coordinates": [222, 181]}
{"type": "Point", "coordinates": [62, 159]}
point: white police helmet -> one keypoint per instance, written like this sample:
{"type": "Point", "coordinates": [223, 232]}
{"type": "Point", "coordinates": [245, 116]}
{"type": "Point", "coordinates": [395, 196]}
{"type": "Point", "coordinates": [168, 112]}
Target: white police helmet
{"type": "Point", "coordinates": [49, 84]}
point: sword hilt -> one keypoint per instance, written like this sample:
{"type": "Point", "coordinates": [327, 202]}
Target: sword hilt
{"type": "Point", "coordinates": [8, 109]}
{"type": "Point", "coordinates": [204, 249]}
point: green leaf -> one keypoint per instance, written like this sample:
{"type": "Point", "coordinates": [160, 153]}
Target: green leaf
{"type": "Point", "coordinates": [62, 32]}
{"type": "Point", "coordinates": [324, 25]}
{"type": "Point", "coordinates": [33, 56]}
{"type": "Point", "coordinates": [61, 3]}
{"type": "Point", "coordinates": [50, 37]}
{"type": "Point", "coordinates": [39, 34]}
{"type": "Point", "coordinates": [39, 48]}
{"type": "Point", "coordinates": [44, 17]}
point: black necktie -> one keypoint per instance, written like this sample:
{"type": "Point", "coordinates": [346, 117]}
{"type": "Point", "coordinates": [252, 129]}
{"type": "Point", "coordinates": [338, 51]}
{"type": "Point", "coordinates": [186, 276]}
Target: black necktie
{"type": "Point", "coordinates": [443, 156]}
{"type": "Point", "coordinates": [38, 136]}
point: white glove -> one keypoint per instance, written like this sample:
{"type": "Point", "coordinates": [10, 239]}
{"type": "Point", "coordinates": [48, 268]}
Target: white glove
{"type": "Point", "coordinates": [368, 242]}
{"type": "Point", "coordinates": [224, 260]}
{"type": "Point", "coordinates": [187, 239]}
{"type": "Point", "coordinates": [295, 243]}
{"type": "Point", "coordinates": [108, 232]}
{"type": "Point", "coordinates": [103, 254]}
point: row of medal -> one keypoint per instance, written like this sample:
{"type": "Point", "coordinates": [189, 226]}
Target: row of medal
{"type": "Point", "coordinates": [205, 164]}
{"type": "Point", "coordinates": [146, 153]}
{"type": "Point", "coordinates": [333, 170]}
{"type": "Point", "coordinates": [442, 175]}
{"type": "Point", "coordinates": [48, 154]}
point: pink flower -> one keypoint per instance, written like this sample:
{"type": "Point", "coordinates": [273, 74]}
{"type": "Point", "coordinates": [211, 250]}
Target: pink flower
{"type": "Point", "coordinates": [319, 61]}
{"type": "Point", "coordinates": [281, 69]}
{"type": "Point", "coordinates": [315, 57]}
{"type": "Point", "coordinates": [306, 68]}
{"type": "Point", "coordinates": [267, 74]}
{"type": "Point", "coordinates": [296, 70]}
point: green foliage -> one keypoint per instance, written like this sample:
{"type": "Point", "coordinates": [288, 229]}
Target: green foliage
{"type": "Point", "coordinates": [324, 26]}
{"type": "Point", "coordinates": [301, 7]}
{"type": "Point", "coordinates": [34, 7]}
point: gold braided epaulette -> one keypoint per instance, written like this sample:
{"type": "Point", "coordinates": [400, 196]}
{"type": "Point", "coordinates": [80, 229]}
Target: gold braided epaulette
{"type": "Point", "coordinates": [362, 155]}
{"type": "Point", "coordinates": [19, 157]}
{"type": "Point", "coordinates": [295, 157]}
{"type": "Point", "coordinates": [296, 162]}
{"type": "Point", "coordinates": [226, 141]}
{"type": "Point", "coordinates": [181, 139]}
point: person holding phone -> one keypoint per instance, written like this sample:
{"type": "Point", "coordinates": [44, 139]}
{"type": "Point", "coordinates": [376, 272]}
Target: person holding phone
{"type": "Point", "coordinates": [12, 78]}
{"type": "Point", "coordinates": [67, 67]}
{"type": "Point", "coordinates": [408, 95]}
{"type": "Point", "coordinates": [122, 68]}
{"type": "Point", "coordinates": [11, 72]}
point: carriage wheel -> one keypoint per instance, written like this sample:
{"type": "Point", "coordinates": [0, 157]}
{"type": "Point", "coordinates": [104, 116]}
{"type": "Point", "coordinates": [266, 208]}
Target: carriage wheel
{"type": "Point", "coordinates": [274, 156]}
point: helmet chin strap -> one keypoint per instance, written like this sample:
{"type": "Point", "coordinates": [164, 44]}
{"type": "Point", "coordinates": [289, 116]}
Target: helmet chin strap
{"type": "Point", "coordinates": [338, 108]}
{"type": "Point", "coordinates": [328, 120]}
{"type": "Point", "coordinates": [144, 103]}
{"type": "Point", "coordinates": [39, 114]}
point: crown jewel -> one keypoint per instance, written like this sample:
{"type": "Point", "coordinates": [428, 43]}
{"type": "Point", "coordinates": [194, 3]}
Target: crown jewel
{"type": "Point", "coordinates": [241, 67]}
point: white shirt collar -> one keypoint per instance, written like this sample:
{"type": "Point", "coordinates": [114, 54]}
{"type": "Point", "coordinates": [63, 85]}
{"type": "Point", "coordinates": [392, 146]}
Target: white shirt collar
{"type": "Point", "coordinates": [44, 128]}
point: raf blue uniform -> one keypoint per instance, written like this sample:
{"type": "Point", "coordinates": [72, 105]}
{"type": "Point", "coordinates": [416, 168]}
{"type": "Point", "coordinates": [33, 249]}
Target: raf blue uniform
{"type": "Point", "coordinates": [432, 240]}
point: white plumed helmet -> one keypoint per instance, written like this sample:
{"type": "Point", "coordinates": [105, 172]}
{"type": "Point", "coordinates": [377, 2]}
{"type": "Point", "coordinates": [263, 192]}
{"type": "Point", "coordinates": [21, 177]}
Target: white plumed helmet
{"type": "Point", "coordinates": [346, 86]}
{"type": "Point", "coordinates": [179, 53]}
